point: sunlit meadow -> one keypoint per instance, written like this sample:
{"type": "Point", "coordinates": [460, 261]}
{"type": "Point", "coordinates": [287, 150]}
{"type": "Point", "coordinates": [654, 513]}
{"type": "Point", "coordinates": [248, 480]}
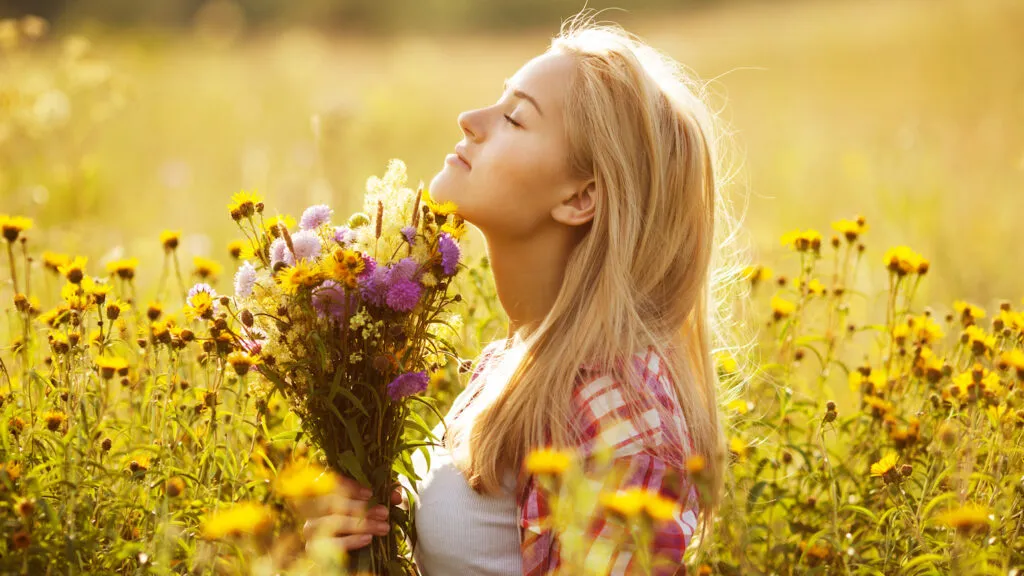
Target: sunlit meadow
{"type": "Point", "coordinates": [875, 419]}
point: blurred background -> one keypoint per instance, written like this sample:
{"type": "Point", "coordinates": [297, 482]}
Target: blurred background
{"type": "Point", "coordinates": [120, 118]}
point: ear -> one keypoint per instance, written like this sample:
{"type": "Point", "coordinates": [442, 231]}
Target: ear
{"type": "Point", "coordinates": [577, 209]}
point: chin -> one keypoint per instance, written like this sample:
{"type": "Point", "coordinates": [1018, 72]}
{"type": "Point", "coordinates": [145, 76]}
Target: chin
{"type": "Point", "coordinates": [442, 188]}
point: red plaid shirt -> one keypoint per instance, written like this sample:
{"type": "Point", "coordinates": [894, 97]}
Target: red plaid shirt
{"type": "Point", "coordinates": [606, 420]}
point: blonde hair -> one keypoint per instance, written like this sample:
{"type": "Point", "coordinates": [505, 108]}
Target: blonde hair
{"type": "Point", "coordinates": [648, 273]}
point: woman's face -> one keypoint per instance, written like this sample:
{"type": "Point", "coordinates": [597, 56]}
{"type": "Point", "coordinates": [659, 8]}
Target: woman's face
{"type": "Point", "coordinates": [513, 173]}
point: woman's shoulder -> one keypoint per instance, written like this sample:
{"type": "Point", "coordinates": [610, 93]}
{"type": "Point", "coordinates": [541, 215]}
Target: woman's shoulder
{"type": "Point", "coordinates": [629, 416]}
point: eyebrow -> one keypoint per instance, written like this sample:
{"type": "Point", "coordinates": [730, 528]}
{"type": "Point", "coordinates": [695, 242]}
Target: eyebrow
{"type": "Point", "coordinates": [520, 94]}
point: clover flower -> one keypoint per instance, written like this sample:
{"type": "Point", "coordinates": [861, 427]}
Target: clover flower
{"type": "Point", "coordinates": [408, 384]}
{"type": "Point", "coordinates": [450, 253]}
{"type": "Point", "coordinates": [306, 244]}
{"type": "Point", "coordinates": [315, 217]}
{"type": "Point", "coordinates": [245, 280]}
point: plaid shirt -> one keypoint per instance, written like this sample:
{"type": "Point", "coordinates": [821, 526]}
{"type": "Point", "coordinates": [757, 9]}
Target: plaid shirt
{"type": "Point", "coordinates": [606, 420]}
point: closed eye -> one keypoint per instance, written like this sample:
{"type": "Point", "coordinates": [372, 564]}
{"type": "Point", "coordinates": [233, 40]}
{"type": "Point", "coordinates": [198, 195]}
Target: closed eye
{"type": "Point", "coordinates": [513, 122]}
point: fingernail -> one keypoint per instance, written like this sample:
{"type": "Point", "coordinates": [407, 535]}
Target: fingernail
{"type": "Point", "coordinates": [365, 538]}
{"type": "Point", "coordinates": [365, 493]}
{"type": "Point", "coordinates": [381, 528]}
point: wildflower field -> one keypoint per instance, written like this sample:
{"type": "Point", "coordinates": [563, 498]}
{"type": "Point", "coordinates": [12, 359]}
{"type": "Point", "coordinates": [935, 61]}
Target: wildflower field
{"type": "Point", "coordinates": [875, 416]}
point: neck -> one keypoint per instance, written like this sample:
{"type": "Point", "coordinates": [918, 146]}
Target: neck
{"type": "Point", "coordinates": [528, 275]}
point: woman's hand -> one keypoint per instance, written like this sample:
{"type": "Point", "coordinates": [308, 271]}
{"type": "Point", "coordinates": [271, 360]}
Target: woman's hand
{"type": "Point", "coordinates": [342, 518]}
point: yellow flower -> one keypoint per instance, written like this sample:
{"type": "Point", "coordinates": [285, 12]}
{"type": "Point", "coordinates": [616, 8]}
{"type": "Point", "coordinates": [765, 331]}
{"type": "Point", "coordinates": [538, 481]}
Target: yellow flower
{"type": "Point", "coordinates": [236, 247]}
{"type": "Point", "coordinates": [925, 330]}
{"type": "Point", "coordinates": [968, 518]}
{"type": "Point", "coordinates": [968, 312]}
{"type": "Point", "coordinates": [756, 274]}
{"type": "Point", "coordinates": [851, 229]}
{"type": "Point", "coordinates": [200, 305]}
{"type": "Point", "coordinates": [782, 308]}
{"type": "Point", "coordinates": [206, 268]}
{"type": "Point", "coordinates": [12, 226]}
{"type": "Point", "coordinates": [803, 240]}
{"type": "Point", "coordinates": [97, 290]}
{"type": "Point", "coordinates": [548, 461]}
{"type": "Point", "coordinates": [54, 419]}
{"type": "Point", "coordinates": [634, 501]}
{"type": "Point", "coordinates": [74, 270]}
{"type": "Point", "coordinates": [738, 446]}
{"type": "Point", "coordinates": [123, 268]}
{"type": "Point", "coordinates": [901, 261]}
{"type": "Point", "coordinates": [455, 230]}
{"type": "Point", "coordinates": [739, 406]}
{"type": "Point", "coordinates": [879, 407]}
{"type": "Point", "coordinates": [243, 518]}
{"type": "Point", "coordinates": [242, 361]}
{"type": "Point", "coordinates": [447, 207]}
{"type": "Point", "coordinates": [245, 205]}
{"type": "Point", "coordinates": [885, 466]}
{"type": "Point", "coordinates": [109, 365]}
{"type": "Point", "coordinates": [52, 261]}
{"type": "Point", "coordinates": [271, 224]}
{"type": "Point", "coordinates": [695, 464]}
{"type": "Point", "coordinates": [305, 480]}
{"type": "Point", "coordinates": [170, 239]}
{"type": "Point", "coordinates": [726, 362]}
{"type": "Point", "coordinates": [980, 342]}
{"type": "Point", "coordinates": [304, 274]}
{"type": "Point", "coordinates": [1014, 359]}
{"type": "Point", "coordinates": [343, 266]}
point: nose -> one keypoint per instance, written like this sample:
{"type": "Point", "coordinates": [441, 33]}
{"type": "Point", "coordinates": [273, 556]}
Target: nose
{"type": "Point", "coordinates": [469, 125]}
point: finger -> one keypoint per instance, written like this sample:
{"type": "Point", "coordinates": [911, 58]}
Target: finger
{"type": "Point", "coordinates": [396, 496]}
{"type": "Point", "coordinates": [352, 489]}
{"type": "Point", "coordinates": [334, 503]}
{"type": "Point", "coordinates": [350, 542]}
{"type": "Point", "coordinates": [338, 525]}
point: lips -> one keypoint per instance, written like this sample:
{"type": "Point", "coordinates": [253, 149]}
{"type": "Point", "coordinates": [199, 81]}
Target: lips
{"type": "Point", "coordinates": [460, 151]}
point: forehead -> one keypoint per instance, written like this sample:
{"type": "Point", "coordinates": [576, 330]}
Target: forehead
{"type": "Point", "coordinates": [546, 77]}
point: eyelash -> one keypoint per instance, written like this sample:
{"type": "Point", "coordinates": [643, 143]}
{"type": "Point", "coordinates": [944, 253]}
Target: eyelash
{"type": "Point", "coordinates": [513, 122]}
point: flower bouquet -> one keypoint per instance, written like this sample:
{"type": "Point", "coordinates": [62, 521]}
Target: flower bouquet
{"type": "Point", "coordinates": [348, 322]}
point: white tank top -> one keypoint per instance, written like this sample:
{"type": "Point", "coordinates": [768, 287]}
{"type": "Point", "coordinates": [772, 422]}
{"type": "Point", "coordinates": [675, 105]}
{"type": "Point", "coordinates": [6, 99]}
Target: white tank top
{"type": "Point", "coordinates": [459, 531]}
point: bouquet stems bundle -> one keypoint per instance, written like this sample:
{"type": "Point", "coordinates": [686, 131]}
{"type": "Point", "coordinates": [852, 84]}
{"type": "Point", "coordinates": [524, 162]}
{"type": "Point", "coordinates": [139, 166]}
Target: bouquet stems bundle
{"type": "Point", "coordinates": [348, 322]}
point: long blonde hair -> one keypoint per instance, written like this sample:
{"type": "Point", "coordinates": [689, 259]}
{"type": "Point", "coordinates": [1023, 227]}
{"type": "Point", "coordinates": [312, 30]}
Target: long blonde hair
{"type": "Point", "coordinates": [646, 274]}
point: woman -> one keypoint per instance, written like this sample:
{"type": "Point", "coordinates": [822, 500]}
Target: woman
{"type": "Point", "coordinates": [593, 180]}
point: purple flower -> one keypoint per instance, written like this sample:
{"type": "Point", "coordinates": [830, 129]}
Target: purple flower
{"type": "Point", "coordinates": [306, 244]}
{"type": "Point", "coordinates": [409, 232]}
{"type": "Point", "coordinates": [408, 384]}
{"type": "Point", "coordinates": [245, 279]}
{"type": "Point", "coordinates": [252, 345]}
{"type": "Point", "coordinates": [450, 253]}
{"type": "Point", "coordinates": [373, 283]}
{"type": "Point", "coordinates": [315, 216]}
{"type": "Point", "coordinates": [403, 295]}
{"type": "Point", "coordinates": [279, 252]}
{"type": "Point", "coordinates": [404, 269]}
{"type": "Point", "coordinates": [343, 235]}
{"type": "Point", "coordinates": [331, 299]}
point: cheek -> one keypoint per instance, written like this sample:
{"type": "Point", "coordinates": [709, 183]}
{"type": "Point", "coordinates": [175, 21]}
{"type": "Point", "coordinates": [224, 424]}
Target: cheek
{"type": "Point", "coordinates": [517, 181]}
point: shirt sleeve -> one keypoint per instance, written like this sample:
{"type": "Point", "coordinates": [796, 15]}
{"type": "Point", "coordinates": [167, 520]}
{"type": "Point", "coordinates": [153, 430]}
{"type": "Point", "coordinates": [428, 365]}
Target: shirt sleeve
{"type": "Point", "coordinates": [648, 453]}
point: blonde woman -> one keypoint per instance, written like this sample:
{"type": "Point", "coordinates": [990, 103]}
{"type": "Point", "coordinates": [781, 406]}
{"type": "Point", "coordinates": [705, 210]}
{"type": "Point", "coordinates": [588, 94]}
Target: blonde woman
{"type": "Point", "coordinates": [595, 182]}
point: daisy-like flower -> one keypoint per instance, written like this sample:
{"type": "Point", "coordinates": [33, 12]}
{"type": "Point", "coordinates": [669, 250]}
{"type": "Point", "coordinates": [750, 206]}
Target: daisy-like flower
{"type": "Point", "coordinates": [206, 268]}
{"type": "Point", "coordinates": [202, 300]}
{"type": "Point", "coordinates": [52, 261]}
{"type": "Point", "coordinates": [245, 205]}
{"type": "Point", "coordinates": [54, 419]}
{"type": "Point", "coordinates": [635, 501]}
{"type": "Point", "coordinates": [757, 274]}
{"type": "Point", "coordinates": [240, 519]}
{"type": "Point", "coordinates": [886, 466]}
{"type": "Point", "coordinates": [803, 240]}
{"type": "Point", "coordinates": [901, 261]}
{"type": "Point", "coordinates": [235, 248]}
{"type": "Point", "coordinates": [245, 280]}
{"type": "Point", "coordinates": [407, 384]}
{"type": "Point", "coordinates": [445, 208]}
{"type": "Point", "coordinates": [111, 365]}
{"type": "Point", "coordinates": [450, 254]}
{"type": "Point", "coordinates": [306, 244]}
{"type": "Point", "coordinates": [851, 229]}
{"type": "Point", "coordinates": [242, 361]}
{"type": "Point", "coordinates": [123, 268]}
{"type": "Point", "coordinates": [12, 226]}
{"type": "Point", "coordinates": [403, 295]}
{"type": "Point", "coordinates": [968, 518]}
{"type": "Point", "coordinates": [271, 224]}
{"type": "Point", "coordinates": [344, 266]}
{"type": "Point", "coordinates": [170, 239]}
{"type": "Point", "coordinates": [279, 252]}
{"type": "Point", "coordinates": [315, 217]}
{"type": "Point", "coordinates": [74, 271]}
{"type": "Point", "coordinates": [782, 308]}
{"type": "Point", "coordinates": [548, 461]}
{"type": "Point", "coordinates": [304, 274]}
